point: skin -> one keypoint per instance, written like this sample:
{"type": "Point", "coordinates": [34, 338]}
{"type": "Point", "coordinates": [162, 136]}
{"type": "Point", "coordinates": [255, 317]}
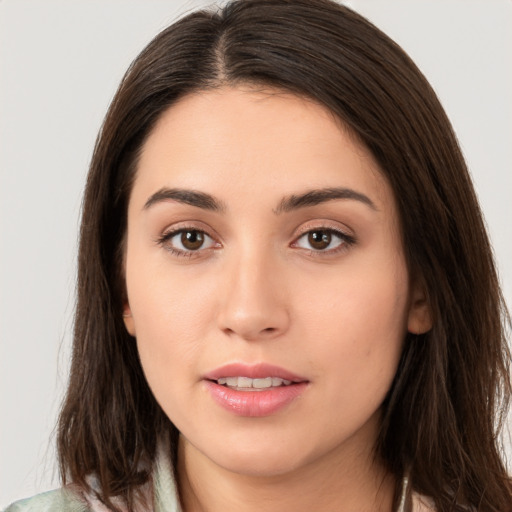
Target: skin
{"type": "Point", "coordinates": [258, 291]}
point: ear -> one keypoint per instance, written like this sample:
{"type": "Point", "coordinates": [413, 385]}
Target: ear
{"type": "Point", "coordinates": [419, 320]}
{"type": "Point", "coordinates": [128, 319]}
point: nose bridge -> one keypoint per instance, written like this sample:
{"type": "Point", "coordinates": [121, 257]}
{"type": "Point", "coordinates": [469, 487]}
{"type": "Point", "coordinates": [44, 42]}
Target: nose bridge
{"type": "Point", "coordinates": [254, 304]}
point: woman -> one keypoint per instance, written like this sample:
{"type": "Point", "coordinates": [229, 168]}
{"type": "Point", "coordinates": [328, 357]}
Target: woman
{"type": "Point", "coordinates": [286, 297]}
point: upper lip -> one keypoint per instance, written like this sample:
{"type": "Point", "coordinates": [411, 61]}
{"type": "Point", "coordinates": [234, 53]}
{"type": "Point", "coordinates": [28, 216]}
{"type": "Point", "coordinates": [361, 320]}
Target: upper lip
{"type": "Point", "coordinates": [253, 371]}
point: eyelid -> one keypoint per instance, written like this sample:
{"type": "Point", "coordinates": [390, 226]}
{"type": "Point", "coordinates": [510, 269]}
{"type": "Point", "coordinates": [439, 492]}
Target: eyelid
{"type": "Point", "coordinates": [191, 225]}
{"type": "Point", "coordinates": [327, 225]}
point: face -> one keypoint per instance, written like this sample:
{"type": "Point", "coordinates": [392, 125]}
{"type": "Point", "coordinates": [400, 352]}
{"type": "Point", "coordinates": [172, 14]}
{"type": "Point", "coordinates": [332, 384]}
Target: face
{"type": "Point", "coordinates": [266, 282]}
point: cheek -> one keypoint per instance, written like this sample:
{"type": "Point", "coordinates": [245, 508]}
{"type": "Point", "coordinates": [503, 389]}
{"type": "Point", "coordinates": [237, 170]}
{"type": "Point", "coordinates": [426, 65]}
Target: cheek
{"type": "Point", "coordinates": [172, 313]}
{"type": "Point", "coordinates": [356, 331]}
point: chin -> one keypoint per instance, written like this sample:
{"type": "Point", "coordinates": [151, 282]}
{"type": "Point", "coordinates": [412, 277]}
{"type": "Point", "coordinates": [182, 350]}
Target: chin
{"type": "Point", "coordinates": [267, 457]}
{"type": "Point", "coordinates": [261, 464]}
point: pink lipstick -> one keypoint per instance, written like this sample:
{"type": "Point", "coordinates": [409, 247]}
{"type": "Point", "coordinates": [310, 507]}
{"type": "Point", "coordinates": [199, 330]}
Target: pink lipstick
{"type": "Point", "coordinates": [253, 390]}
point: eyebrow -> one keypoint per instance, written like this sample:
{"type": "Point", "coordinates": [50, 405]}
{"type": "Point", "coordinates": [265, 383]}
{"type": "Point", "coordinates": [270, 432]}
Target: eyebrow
{"type": "Point", "coordinates": [287, 204]}
{"type": "Point", "coordinates": [185, 196]}
{"type": "Point", "coordinates": [318, 196]}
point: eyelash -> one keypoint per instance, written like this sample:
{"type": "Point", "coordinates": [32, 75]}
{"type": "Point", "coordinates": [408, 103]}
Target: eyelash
{"type": "Point", "coordinates": [346, 241]}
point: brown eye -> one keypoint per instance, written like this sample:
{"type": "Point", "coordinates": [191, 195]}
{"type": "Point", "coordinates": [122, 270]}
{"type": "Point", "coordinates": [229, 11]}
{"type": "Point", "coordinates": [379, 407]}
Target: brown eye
{"type": "Point", "coordinates": [192, 240]}
{"type": "Point", "coordinates": [186, 242]}
{"type": "Point", "coordinates": [324, 241]}
{"type": "Point", "coordinates": [319, 239]}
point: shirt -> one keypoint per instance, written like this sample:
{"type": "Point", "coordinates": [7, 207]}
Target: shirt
{"type": "Point", "coordinates": [161, 489]}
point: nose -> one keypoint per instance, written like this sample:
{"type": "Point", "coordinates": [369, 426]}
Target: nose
{"type": "Point", "coordinates": [253, 303]}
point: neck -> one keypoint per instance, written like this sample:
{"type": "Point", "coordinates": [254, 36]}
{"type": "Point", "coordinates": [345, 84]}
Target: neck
{"type": "Point", "coordinates": [355, 481]}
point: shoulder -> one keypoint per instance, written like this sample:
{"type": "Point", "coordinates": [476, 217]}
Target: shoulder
{"type": "Point", "coordinates": [422, 503]}
{"type": "Point", "coordinates": [61, 500]}
{"type": "Point", "coordinates": [70, 498]}
{"type": "Point", "coordinates": [73, 498]}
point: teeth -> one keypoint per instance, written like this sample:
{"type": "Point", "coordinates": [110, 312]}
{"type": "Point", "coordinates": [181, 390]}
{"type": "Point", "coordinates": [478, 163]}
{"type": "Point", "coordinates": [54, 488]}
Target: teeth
{"type": "Point", "coordinates": [262, 383]}
{"type": "Point", "coordinates": [244, 382]}
{"type": "Point", "coordinates": [247, 383]}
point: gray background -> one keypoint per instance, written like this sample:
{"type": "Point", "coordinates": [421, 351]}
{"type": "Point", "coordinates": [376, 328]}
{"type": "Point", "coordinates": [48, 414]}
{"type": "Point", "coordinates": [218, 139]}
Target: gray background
{"type": "Point", "coordinates": [60, 63]}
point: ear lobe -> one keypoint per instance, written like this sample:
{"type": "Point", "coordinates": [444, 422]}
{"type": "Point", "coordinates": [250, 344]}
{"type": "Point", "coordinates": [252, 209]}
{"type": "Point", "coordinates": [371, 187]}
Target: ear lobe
{"type": "Point", "coordinates": [128, 320]}
{"type": "Point", "coordinates": [419, 320]}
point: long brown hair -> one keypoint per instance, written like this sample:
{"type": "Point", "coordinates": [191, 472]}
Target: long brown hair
{"type": "Point", "coordinates": [442, 416]}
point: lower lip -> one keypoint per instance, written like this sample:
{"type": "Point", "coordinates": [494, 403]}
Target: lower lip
{"type": "Point", "coordinates": [255, 403]}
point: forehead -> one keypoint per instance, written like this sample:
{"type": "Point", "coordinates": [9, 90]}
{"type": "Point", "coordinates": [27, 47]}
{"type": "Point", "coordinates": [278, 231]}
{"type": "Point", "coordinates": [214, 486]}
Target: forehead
{"type": "Point", "coordinates": [230, 138]}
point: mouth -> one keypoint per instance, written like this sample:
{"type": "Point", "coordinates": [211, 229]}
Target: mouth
{"type": "Point", "coordinates": [249, 384]}
{"type": "Point", "coordinates": [254, 390]}
{"type": "Point", "coordinates": [253, 377]}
